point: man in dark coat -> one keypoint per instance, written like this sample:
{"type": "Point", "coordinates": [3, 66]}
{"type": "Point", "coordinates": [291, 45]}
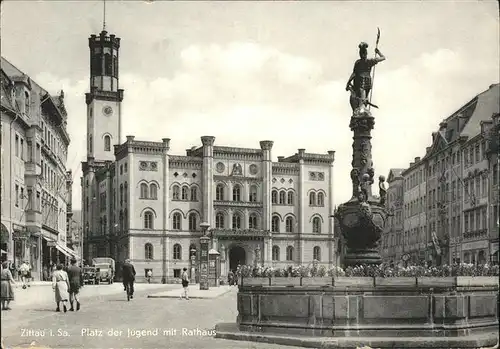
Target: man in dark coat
{"type": "Point", "coordinates": [75, 277]}
{"type": "Point", "coordinates": [128, 274]}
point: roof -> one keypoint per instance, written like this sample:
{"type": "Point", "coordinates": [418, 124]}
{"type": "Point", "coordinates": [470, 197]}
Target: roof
{"type": "Point", "coordinates": [395, 173]}
{"type": "Point", "coordinates": [6, 100]}
{"type": "Point", "coordinates": [487, 105]}
{"type": "Point", "coordinates": [12, 71]}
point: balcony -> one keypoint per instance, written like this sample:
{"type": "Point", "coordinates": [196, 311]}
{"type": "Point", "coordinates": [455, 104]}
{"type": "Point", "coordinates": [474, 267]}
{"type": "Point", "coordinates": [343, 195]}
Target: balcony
{"type": "Point", "coordinates": [239, 233]}
{"type": "Point", "coordinates": [247, 204]}
{"type": "Point", "coordinates": [32, 169]}
{"type": "Point", "coordinates": [33, 220]}
{"type": "Point", "coordinates": [475, 234]}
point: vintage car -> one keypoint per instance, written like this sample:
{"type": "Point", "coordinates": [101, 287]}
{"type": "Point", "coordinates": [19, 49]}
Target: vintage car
{"type": "Point", "coordinates": [91, 275]}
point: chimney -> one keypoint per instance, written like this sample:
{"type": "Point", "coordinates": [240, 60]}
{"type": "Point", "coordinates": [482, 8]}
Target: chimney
{"type": "Point", "coordinates": [417, 159]}
{"type": "Point", "coordinates": [281, 158]}
{"type": "Point", "coordinates": [130, 138]}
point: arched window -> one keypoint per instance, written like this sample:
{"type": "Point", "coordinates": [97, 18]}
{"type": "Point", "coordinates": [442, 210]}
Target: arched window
{"type": "Point", "coordinates": [121, 194]}
{"type": "Point", "coordinates": [175, 192]}
{"type": "Point", "coordinates": [275, 226]}
{"type": "Point", "coordinates": [276, 253]}
{"type": "Point", "coordinates": [289, 253]}
{"type": "Point", "coordinates": [108, 64]}
{"type": "Point", "coordinates": [290, 198]}
{"type": "Point", "coordinates": [148, 251]}
{"type": "Point", "coordinates": [194, 194]}
{"type": "Point", "coordinates": [184, 193]}
{"type": "Point", "coordinates": [144, 191]}
{"type": "Point", "coordinates": [120, 218]}
{"type": "Point", "coordinates": [192, 221]}
{"type": "Point", "coordinates": [282, 197]}
{"type": "Point", "coordinates": [107, 143]}
{"type": "Point", "coordinates": [219, 192]}
{"type": "Point", "coordinates": [289, 224]}
{"type": "Point", "coordinates": [237, 193]}
{"type": "Point", "coordinates": [274, 197]}
{"type": "Point", "coordinates": [125, 194]}
{"type": "Point", "coordinates": [177, 252]}
{"type": "Point", "coordinates": [312, 199]}
{"type": "Point", "coordinates": [317, 253]}
{"type": "Point", "coordinates": [236, 221]}
{"type": "Point", "coordinates": [153, 191]}
{"type": "Point", "coordinates": [219, 220]}
{"type": "Point", "coordinates": [148, 220]}
{"type": "Point", "coordinates": [125, 219]}
{"type": "Point", "coordinates": [176, 221]}
{"type": "Point", "coordinates": [321, 199]}
{"type": "Point", "coordinates": [252, 221]}
{"type": "Point", "coordinates": [316, 225]}
{"type": "Point", "coordinates": [253, 194]}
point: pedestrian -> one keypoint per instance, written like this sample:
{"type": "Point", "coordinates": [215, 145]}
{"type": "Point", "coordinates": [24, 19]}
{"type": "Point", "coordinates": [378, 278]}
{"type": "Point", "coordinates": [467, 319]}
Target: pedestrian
{"type": "Point", "coordinates": [25, 270]}
{"type": "Point", "coordinates": [60, 285]}
{"type": "Point", "coordinates": [185, 283]}
{"type": "Point", "coordinates": [7, 291]}
{"type": "Point", "coordinates": [128, 274]}
{"type": "Point", "coordinates": [230, 278]}
{"type": "Point", "coordinates": [148, 275]}
{"type": "Point", "coordinates": [45, 273]}
{"type": "Point", "coordinates": [238, 274]}
{"type": "Point", "coordinates": [75, 277]}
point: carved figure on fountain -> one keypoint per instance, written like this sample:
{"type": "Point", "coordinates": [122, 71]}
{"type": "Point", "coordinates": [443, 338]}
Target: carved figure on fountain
{"type": "Point", "coordinates": [355, 182]}
{"type": "Point", "coordinates": [382, 190]}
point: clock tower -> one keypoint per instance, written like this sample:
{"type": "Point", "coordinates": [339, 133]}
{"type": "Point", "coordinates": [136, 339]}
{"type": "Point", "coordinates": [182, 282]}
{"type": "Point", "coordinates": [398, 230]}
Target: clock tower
{"type": "Point", "coordinates": [104, 99]}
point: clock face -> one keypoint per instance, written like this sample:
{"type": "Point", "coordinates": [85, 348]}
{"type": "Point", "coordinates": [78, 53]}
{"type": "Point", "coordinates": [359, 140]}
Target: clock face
{"type": "Point", "coordinates": [107, 110]}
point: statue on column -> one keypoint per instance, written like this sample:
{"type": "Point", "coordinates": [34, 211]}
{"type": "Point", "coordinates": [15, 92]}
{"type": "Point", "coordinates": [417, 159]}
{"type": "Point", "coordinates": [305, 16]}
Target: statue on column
{"type": "Point", "coordinates": [360, 81]}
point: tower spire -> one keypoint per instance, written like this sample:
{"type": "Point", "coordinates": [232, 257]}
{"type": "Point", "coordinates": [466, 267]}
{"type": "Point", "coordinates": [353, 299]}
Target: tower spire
{"type": "Point", "coordinates": [104, 16]}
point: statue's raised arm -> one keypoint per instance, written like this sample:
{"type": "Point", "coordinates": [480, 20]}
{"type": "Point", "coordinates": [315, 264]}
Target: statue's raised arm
{"type": "Point", "coordinates": [360, 81]}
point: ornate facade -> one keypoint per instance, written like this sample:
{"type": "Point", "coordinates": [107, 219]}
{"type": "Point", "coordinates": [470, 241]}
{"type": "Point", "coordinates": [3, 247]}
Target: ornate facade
{"type": "Point", "coordinates": [392, 248]}
{"type": "Point", "coordinates": [36, 187]}
{"type": "Point", "coordinates": [460, 200]}
{"type": "Point", "coordinates": [143, 203]}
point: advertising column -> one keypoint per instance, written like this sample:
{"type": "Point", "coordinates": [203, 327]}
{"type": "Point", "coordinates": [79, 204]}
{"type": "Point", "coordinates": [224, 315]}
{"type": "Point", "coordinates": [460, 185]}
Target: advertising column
{"type": "Point", "coordinates": [204, 248]}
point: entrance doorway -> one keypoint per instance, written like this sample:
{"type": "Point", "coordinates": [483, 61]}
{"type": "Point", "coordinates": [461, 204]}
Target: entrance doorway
{"type": "Point", "coordinates": [237, 256]}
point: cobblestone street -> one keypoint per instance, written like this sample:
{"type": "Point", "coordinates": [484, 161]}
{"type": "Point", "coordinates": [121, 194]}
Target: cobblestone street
{"type": "Point", "coordinates": [107, 320]}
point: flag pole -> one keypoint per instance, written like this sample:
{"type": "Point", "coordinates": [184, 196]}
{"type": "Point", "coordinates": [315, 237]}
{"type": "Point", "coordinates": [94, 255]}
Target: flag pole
{"type": "Point", "coordinates": [373, 77]}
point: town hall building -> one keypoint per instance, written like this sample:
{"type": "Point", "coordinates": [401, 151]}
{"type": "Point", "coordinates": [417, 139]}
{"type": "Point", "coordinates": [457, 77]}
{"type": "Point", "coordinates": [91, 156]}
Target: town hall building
{"type": "Point", "coordinates": [141, 202]}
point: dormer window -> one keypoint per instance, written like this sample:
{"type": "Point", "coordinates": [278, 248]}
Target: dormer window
{"type": "Point", "coordinates": [26, 103]}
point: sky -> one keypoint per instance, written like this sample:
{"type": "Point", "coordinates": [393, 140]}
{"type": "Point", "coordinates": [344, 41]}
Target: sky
{"type": "Point", "coordinates": [249, 71]}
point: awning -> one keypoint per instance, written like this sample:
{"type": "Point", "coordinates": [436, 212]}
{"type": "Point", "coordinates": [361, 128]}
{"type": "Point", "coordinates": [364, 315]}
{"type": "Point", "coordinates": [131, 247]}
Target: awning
{"type": "Point", "coordinates": [67, 251]}
{"type": "Point", "coordinates": [61, 249]}
{"type": "Point", "coordinates": [4, 252]}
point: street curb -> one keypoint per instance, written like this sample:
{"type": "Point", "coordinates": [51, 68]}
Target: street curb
{"type": "Point", "coordinates": [192, 297]}
{"type": "Point", "coordinates": [232, 332]}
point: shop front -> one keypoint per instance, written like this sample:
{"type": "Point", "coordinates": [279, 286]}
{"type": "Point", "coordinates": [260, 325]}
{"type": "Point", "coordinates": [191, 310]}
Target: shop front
{"type": "Point", "coordinates": [475, 252]}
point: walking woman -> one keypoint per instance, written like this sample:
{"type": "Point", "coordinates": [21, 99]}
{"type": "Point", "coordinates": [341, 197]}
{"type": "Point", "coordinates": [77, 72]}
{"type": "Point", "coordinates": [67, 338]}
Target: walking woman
{"type": "Point", "coordinates": [60, 284]}
{"type": "Point", "coordinates": [7, 291]}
